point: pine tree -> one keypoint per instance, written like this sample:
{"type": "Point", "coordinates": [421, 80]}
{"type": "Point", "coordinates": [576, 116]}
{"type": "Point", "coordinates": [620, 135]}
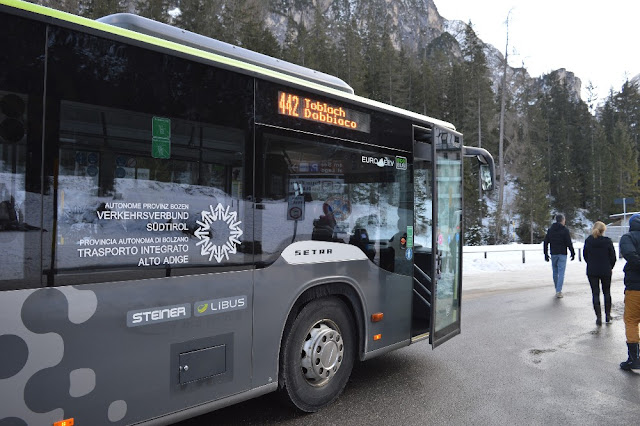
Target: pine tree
{"type": "Point", "coordinates": [501, 159]}
{"type": "Point", "coordinates": [294, 47]}
{"type": "Point", "coordinates": [372, 47]}
{"type": "Point", "coordinates": [474, 231]}
{"type": "Point", "coordinates": [478, 110]}
{"type": "Point", "coordinates": [260, 39]}
{"type": "Point", "coordinates": [254, 34]}
{"type": "Point", "coordinates": [593, 172]}
{"type": "Point", "coordinates": [158, 10]}
{"type": "Point", "coordinates": [200, 17]}
{"type": "Point", "coordinates": [430, 94]}
{"type": "Point", "coordinates": [532, 204]}
{"type": "Point", "coordinates": [617, 162]}
{"type": "Point", "coordinates": [626, 164]}
{"type": "Point", "coordinates": [561, 173]}
{"type": "Point", "coordinates": [349, 52]}
{"type": "Point", "coordinates": [479, 106]}
{"type": "Point", "coordinates": [70, 6]}
{"type": "Point", "coordinates": [437, 73]}
{"type": "Point", "coordinates": [388, 66]}
{"type": "Point", "coordinates": [236, 17]}
{"type": "Point", "coordinates": [94, 9]}
{"type": "Point", "coordinates": [627, 104]}
{"type": "Point", "coordinates": [409, 88]}
{"type": "Point", "coordinates": [321, 52]}
{"type": "Point", "coordinates": [601, 160]}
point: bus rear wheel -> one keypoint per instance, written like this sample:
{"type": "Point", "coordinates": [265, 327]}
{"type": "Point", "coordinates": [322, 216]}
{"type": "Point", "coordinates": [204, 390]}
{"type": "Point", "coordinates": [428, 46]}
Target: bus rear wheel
{"type": "Point", "coordinates": [317, 354]}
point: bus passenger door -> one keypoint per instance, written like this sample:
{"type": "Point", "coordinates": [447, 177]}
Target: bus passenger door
{"type": "Point", "coordinates": [437, 234]}
{"type": "Point", "coordinates": [424, 263]}
{"type": "Point", "coordinates": [447, 232]}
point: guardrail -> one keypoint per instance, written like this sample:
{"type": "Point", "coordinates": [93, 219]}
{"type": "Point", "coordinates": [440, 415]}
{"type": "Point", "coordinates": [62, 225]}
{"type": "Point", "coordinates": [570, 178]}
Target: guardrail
{"type": "Point", "coordinates": [501, 249]}
{"type": "Point", "coordinates": [615, 232]}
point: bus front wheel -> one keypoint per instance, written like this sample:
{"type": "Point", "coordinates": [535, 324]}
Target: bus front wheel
{"type": "Point", "coordinates": [317, 355]}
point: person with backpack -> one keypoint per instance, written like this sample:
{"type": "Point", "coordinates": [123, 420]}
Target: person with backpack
{"type": "Point", "coordinates": [630, 250]}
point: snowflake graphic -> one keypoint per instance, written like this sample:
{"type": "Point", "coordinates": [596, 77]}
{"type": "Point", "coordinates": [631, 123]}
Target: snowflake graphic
{"type": "Point", "coordinates": [204, 231]}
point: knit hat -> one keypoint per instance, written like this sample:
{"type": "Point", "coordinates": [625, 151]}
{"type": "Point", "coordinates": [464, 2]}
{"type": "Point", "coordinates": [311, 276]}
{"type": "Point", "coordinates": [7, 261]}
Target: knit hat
{"type": "Point", "coordinates": [635, 217]}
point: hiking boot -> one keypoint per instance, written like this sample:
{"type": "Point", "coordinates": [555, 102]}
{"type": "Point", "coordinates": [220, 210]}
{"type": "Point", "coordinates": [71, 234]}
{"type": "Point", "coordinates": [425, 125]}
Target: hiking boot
{"type": "Point", "coordinates": [633, 362]}
{"type": "Point", "coordinates": [607, 313]}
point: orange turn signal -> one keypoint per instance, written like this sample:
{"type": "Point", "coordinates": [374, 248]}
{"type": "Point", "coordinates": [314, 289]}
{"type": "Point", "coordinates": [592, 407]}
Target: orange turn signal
{"type": "Point", "coordinates": [377, 337]}
{"type": "Point", "coordinates": [377, 317]}
{"type": "Point", "coordinates": [65, 422]}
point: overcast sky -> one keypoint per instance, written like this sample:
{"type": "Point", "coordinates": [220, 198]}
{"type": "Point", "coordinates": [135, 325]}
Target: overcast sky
{"type": "Point", "coordinates": [596, 40]}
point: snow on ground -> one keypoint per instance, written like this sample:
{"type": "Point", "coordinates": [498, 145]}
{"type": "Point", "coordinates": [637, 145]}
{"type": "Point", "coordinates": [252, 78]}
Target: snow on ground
{"type": "Point", "coordinates": [504, 258]}
{"type": "Point", "coordinates": [509, 258]}
{"type": "Point", "coordinates": [503, 267]}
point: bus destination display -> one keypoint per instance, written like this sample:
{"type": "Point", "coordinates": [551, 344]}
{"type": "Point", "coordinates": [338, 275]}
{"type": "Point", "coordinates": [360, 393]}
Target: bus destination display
{"type": "Point", "coordinates": [321, 112]}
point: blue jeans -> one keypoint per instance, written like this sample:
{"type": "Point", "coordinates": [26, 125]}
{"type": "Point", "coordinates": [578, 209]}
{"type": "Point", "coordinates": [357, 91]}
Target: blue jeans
{"type": "Point", "coordinates": [558, 264]}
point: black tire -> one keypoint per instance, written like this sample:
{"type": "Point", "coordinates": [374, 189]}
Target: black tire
{"type": "Point", "coordinates": [326, 326]}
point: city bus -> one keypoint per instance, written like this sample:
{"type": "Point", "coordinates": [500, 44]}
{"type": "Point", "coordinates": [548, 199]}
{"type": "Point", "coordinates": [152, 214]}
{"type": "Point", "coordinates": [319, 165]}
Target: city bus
{"type": "Point", "coordinates": [186, 224]}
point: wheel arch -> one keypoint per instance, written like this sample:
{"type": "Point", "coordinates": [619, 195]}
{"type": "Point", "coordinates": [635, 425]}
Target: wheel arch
{"type": "Point", "coordinates": [341, 288]}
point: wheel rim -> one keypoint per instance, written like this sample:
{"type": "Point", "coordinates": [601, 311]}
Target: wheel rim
{"type": "Point", "coordinates": [322, 353]}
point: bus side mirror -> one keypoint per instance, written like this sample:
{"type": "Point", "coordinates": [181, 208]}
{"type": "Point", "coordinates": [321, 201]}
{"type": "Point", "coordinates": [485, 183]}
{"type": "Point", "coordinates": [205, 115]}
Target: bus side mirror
{"type": "Point", "coordinates": [487, 167]}
{"type": "Point", "coordinates": [486, 178]}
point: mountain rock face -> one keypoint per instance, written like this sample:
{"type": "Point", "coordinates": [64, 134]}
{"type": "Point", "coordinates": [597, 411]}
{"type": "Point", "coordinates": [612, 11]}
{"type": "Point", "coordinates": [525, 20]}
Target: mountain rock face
{"type": "Point", "coordinates": [412, 23]}
{"type": "Point", "coordinates": [574, 84]}
{"type": "Point", "coordinates": [415, 25]}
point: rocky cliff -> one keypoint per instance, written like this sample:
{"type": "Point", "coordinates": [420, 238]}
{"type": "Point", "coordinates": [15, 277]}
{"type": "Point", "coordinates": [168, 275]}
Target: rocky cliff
{"type": "Point", "coordinates": [414, 24]}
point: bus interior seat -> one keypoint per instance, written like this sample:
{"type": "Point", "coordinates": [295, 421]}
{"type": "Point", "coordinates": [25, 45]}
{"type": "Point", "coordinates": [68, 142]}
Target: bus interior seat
{"type": "Point", "coordinates": [360, 238]}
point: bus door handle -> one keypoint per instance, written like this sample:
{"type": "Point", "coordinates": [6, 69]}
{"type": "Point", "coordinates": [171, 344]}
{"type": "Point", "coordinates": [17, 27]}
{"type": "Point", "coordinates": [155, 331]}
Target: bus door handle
{"type": "Point", "coordinates": [438, 264]}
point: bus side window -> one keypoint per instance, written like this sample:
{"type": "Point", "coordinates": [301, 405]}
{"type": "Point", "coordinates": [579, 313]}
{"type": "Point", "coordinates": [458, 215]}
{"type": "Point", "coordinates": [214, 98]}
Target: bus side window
{"type": "Point", "coordinates": [351, 195]}
{"type": "Point", "coordinates": [151, 176]}
{"type": "Point", "coordinates": [21, 94]}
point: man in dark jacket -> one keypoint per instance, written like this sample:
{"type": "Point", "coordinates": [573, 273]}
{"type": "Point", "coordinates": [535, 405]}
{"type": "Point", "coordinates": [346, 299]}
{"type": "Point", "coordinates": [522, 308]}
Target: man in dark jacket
{"type": "Point", "coordinates": [559, 239]}
{"type": "Point", "coordinates": [630, 250]}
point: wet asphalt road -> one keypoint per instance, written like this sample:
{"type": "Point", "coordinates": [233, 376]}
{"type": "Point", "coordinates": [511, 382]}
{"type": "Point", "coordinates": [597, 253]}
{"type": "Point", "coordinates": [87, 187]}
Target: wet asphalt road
{"type": "Point", "coordinates": [524, 357]}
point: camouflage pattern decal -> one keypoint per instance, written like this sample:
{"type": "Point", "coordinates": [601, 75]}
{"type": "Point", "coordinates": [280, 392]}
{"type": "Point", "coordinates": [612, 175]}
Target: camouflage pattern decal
{"type": "Point", "coordinates": [117, 410]}
{"type": "Point", "coordinates": [67, 351]}
{"type": "Point", "coordinates": [82, 304]}
{"type": "Point", "coordinates": [43, 350]}
{"type": "Point", "coordinates": [52, 361]}
{"type": "Point", "coordinates": [82, 382]}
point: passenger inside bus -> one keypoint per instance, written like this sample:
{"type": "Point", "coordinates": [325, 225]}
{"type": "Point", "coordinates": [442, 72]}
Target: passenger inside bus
{"type": "Point", "coordinates": [8, 216]}
{"type": "Point", "coordinates": [323, 227]}
{"type": "Point", "coordinates": [398, 248]}
{"type": "Point", "coordinates": [360, 238]}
